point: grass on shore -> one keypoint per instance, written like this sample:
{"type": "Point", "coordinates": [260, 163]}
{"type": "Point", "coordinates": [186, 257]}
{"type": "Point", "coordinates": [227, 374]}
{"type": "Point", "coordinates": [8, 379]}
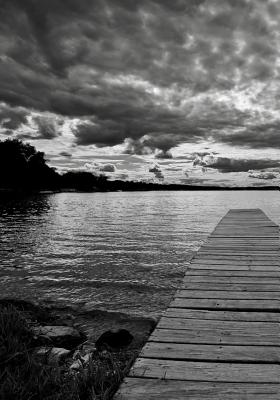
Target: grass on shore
{"type": "Point", "coordinates": [24, 377]}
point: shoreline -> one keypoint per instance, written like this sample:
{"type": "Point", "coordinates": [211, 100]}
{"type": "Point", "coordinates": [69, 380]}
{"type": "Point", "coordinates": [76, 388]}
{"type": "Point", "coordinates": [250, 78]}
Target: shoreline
{"type": "Point", "coordinates": [60, 343]}
{"type": "Point", "coordinates": [157, 188]}
{"type": "Point", "coordinates": [92, 322]}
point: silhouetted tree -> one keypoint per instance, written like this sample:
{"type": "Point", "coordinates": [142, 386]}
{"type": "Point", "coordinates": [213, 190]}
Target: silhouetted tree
{"type": "Point", "coordinates": [85, 181]}
{"type": "Point", "coordinates": [23, 167]}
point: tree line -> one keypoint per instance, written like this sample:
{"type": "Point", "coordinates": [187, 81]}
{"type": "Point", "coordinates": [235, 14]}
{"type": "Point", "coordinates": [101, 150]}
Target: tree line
{"type": "Point", "coordinates": [24, 169]}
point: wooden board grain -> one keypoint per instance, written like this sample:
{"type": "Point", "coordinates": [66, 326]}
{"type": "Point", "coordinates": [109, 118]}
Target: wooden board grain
{"type": "Point", "coordinates": [231, 286]}
{"type": "Point", "coordinates": [222, 315]}
{"type": "Point", "coordinates": [225, 353]}
{"type": "Point", "coordinates": [226, 304]}
{"type": "Point", "coordinates": [215, 336]}
{"type": "Point", "coordinates": [229, 273]}
{"type": "Point", "coordinates": [155, 389]}
{"type": "Point", "coordinates": [206, 371]}
{"type": "Point", "coordinates": [228, 294]}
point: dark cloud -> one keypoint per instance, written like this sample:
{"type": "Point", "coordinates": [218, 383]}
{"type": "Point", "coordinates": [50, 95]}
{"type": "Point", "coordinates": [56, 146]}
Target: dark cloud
{"type": "Point", "coordinates": [158, 145]}
{"type": "Point", "coordinates": [12, 118]}
{"type": "Point", "coordinates": [173, 168]}
{"type": "Point", "coordinates": [97, 167]}
{"type": "Point", "coordinates": [263, 175]}
{"type": "Point", "coordinates": [47, 128]}
{"type": "Point", "coordinates": [196, 181]}
{"type": "Point", "coordinates": [65, 154]}
{"type": "Point", "coordinates": [257, 136]}
{"type": "Point", "coordinates": [107, 168]}
{"type": "Point", "coordinates": [122, 176]}
{"type": "Point", "coordinates": [224, 164]}
{"type": "Point", "coordinates": [155, 169]}
{"type": "Point", "coordinates": [106, 134]}
{"type": "Point", "coordinates": [137, 146]}
{"type": "Point", "coordinates": [163, 154]}
{"type": "Point", "coordinates": [168, 72]}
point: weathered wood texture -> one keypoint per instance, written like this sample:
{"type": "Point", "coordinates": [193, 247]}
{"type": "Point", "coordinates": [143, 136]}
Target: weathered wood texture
{"type": "Point", "coordinates": [220, 337]}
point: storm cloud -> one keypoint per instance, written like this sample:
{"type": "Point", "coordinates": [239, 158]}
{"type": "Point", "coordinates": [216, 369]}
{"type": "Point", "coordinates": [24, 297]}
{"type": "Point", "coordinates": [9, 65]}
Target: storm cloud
{"type": "Point", "coordinates": [155, 169]}
{"type": "Point", "coordinates": [178, 73]}
{"type": "Point", "coordinates": [12, 118]}
{"type": "Point", "coordinates": [226, 165]}
{"type": "Point", "coordinates": [263, 175]}
{"type": "Point", "coordinates": [144, 78]}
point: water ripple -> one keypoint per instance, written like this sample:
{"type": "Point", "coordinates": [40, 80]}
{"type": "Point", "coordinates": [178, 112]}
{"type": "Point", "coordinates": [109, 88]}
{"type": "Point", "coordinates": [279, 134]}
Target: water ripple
{"type": "Point", "coordinates": [120, 251]}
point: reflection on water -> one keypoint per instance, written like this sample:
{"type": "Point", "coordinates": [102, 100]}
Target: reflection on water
{"type": "Point", "coordinates": [18, 205]}
{"type": "Point", "coordinates": [118, 251]}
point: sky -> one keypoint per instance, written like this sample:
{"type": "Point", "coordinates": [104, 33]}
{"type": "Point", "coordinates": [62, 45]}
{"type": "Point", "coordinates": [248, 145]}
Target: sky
{"type": "Point", "coordinates": [181, 91]}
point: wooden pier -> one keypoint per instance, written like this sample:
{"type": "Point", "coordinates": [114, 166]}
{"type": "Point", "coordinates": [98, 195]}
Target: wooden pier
{"type": "Point", "coordinates": [220, 337]}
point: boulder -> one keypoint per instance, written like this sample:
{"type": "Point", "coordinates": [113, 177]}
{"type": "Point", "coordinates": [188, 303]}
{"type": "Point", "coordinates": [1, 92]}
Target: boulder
{"type": "Point", "coordinates": [114, 341]}
{"type": "Point", "coordinates": [60, 336]}
{"type": "Point", "coordinates": [51, 355]}
{"type": "Point", "coordinates": [80, 361]}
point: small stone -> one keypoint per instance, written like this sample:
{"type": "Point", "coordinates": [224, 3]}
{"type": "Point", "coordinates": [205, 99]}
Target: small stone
{"type": "Point", "coordinates": [76, 365]}
{"type": "Point", "coordinates": [86, 359]}
{"type": "Point", "coordinates": [63, 336]}
{"type": "Point", "coordinates": [52, 355]}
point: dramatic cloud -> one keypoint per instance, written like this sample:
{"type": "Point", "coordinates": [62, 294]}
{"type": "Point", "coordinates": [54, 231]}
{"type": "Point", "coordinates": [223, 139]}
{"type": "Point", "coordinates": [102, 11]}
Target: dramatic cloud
{"type": "Point", "coordinates": [122, 177]}
{"type": "Point", "coordinates": [107, 168]}
{"type": "Point", "coordinates": [158, 145]}
{"type": "Point", "coordinates": [47, 128]}
{"type": "Point", "coordinates": [96, 167]}
{"type": "Point", "coordinates": [161, 154]}
{"type": "Point", "coordinates": [225, 165]}
{"type": "Point", "coordinates": [254, 136]}
{"type": "Point", "coordinates": [12, 118]}
{"type": "Point", "coordinates": [263, 175]}
{"type": "Point", "coordinates": [155, 169]}
{"type": "Point", "coordinates": [145, 77]}
{"type": "Point", "coordinates": [65, 154]}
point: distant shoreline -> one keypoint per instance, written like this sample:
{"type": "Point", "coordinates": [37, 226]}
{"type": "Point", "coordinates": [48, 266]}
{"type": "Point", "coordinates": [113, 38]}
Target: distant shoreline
{"type": "Point", "coordinates": [153, 188]}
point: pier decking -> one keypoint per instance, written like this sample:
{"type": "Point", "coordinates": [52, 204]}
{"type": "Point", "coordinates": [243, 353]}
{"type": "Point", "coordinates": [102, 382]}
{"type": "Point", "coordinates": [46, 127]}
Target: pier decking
{"type": "Point", "coordinates": [220, 337]}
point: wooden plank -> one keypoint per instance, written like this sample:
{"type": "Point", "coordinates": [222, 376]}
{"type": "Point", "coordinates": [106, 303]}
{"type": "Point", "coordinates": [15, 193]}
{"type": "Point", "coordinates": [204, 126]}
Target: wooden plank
{"type": "Point", "coordinates": [214, 336]}
{"type": "Point", "coordinates": [235, 267]}
{"type": "Point", "coordinates": [233, 326]}
{"type": "Point", "coordinates": [227, 294]}
{"type": "Point", "coordinates": [243, 231]}
{"type": "Point", "coordinates": [241, 243]}
{"type": "Point", "coordinates": [222, 315]}
{"type": "Point", "coordinates": [211, 239]}
{"type": "Point", "coordinates": [234, 258]}
{"type": "Point", "coordinates": [232, 280]}
{"type": "Point", "coordinates": [243, 236]}
{"type": "Point", "coordinates": [206, 371]}
{"type": "Point", "coordinates": [222, 260]}
{"type": "Point", "coordinates": [223, 304]}
{"type": "Point", "coordinates": [238, 253]}
{"type": "Point", "coordinates": [191, 352]}
{"type": "Point", "coordinates": [227, 273]}
{"type": "Point", "coordinates": [253, 250]}
{"type": "Point", "coordinates": [248, 287]}
{"type": "Point", "coordinates": [155, 389]}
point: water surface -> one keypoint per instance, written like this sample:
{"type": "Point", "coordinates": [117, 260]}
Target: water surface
{"type": "Point", "coordinates": [114, 251]}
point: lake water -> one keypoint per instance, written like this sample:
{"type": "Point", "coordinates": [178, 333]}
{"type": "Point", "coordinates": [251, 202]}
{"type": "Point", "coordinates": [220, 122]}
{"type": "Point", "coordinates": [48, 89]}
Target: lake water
{"type": "Point", "coordinates": [125, 252]}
